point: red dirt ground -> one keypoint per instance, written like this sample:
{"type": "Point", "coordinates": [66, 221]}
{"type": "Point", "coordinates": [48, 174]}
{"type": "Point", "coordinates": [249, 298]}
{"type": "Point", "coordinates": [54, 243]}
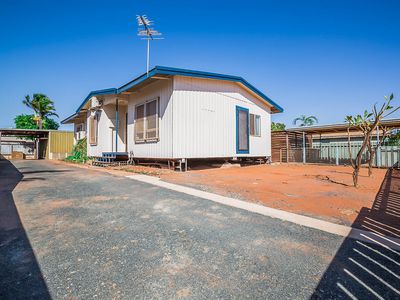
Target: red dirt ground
{"type": "Point", "coordinates": [320, 191]}
{"type": "Point", "coordinates": [325, 192]}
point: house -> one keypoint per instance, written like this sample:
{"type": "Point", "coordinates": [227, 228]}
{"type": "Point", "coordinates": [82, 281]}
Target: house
{"type": "Point", "coordinates": [175, 114]}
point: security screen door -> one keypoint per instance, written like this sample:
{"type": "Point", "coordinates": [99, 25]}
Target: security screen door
{"type": "Point", "coordinates": [242, 130]}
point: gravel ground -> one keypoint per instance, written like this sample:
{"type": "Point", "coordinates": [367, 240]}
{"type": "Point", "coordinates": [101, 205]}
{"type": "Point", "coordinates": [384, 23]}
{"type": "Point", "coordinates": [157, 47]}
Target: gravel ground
{"type": "Point", "coordinates": [68, 233]}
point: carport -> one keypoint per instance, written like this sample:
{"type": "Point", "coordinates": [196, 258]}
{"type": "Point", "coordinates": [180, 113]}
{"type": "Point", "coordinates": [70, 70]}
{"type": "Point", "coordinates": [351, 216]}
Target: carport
{"type": "Point", "coordinates": [329, 144]}
{"type": "Point", "coordinates": [50, 144]}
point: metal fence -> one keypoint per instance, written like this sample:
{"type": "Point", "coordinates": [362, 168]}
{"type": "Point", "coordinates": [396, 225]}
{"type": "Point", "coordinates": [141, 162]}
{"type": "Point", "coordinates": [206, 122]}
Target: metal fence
{"type": "Point", "coordinates": [338, 154]}
{"type": "Point", "coordinates": [8, 148]}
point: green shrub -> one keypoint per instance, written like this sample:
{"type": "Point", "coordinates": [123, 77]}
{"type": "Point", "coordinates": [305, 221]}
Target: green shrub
{"type": "Point", "coordinates": [79, 152]}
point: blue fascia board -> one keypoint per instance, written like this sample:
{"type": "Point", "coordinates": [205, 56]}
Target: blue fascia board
{"type": "Point", "coordinates": [194, 73]}
{"type": "Point", "coordinates": [137, 80]}
{"type": "Point", "coordinates": [160, 70]}
{"type": "Point", "coordinates": [94, 93]}
{"type": "Point", "coordinates": [69, 117]}
{"type": "Point", "coordinates": [201, 74]}
{"type": "Point", "coordinates": [262, 95]}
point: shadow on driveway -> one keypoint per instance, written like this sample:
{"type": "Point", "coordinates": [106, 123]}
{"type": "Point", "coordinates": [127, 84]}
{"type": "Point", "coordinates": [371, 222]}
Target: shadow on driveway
{"type": "Point", "coordinates": [369, 268]}
{"type": "Point", "coordinates": [45, 171]}
{"type": "Point", "coordinates": [20, 274]}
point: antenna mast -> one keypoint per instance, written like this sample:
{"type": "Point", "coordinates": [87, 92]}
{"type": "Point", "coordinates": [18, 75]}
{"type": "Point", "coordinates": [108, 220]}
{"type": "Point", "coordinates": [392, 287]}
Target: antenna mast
{"type": "Point", "coordinates": [147, 33]}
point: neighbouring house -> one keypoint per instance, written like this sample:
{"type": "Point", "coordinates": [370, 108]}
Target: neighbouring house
{"type": "Point", "coordinates": [329, 144]}
{"type": "Point", "coordinates": [176, 114]}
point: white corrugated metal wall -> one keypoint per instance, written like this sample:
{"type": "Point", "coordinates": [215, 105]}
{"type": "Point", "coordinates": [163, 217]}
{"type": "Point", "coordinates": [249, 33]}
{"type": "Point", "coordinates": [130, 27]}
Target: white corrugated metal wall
{"type": "Point", "coordinates": [162, 148]}
{"type": "Point", "coordinates": [106, 133]}
{"type": "Point", "coordinates": [205, 119]}
{"type": "Point", "coordinates": [197, 119]}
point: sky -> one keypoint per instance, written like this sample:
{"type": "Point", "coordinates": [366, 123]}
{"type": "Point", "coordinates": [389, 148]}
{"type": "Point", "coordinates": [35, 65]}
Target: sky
{"type": "Point", "coordinates": [323, 58]}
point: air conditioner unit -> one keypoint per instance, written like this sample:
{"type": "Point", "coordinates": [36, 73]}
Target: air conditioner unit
{"type": "Point", "coordinates": [96, 102]}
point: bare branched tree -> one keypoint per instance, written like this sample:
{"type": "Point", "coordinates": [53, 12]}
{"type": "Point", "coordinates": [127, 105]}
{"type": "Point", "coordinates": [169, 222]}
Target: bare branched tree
{"type": "Point", "coordinates": [367, 123]}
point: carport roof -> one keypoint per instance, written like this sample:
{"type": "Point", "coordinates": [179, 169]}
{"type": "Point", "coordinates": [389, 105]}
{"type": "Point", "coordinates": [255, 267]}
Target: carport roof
{"type": "Point", "coordinates": [168, 71]}
{"type": "Point", "coordinates": [26, 132]}
{"type": "Point", "coordinates": [393, 123]}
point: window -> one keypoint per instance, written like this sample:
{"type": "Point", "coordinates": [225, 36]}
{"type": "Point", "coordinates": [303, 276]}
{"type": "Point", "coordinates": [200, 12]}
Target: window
{"type": "Point", "coordinates": [139, 123]}
{"type": "Point", "coordinates": [255, 125]}
{"type": "Point", "coordinates": [146, 121]}
{"type": "Point", "coordinates": [80, 131]}
{"type": "Point", "coordinates": [93, 130]}
{"type": "Point", "coordinates": [80, 127]}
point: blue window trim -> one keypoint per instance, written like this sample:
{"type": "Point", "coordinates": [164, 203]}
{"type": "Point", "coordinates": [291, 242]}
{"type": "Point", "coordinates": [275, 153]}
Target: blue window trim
{"type": "Point", "coordinates": [238, 151]}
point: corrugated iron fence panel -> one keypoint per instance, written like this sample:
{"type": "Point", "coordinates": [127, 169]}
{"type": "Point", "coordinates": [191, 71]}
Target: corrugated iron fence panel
{"type": "Point", "coordinates": [26, 148]}
{"type": "Point", "coordinates": [61, 142]}
{"type": "Point", "coordinates": [389, 155]}
{"type": "Point", "coordinates": [339, 154]}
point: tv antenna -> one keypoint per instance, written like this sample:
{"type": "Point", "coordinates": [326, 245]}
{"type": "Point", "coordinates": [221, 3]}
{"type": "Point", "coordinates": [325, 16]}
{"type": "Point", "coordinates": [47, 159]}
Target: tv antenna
{"type": "Point", "coordinates": [147, 33]}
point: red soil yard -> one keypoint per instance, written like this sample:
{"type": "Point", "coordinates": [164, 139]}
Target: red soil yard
{"type": "Point", "coordinates": [325, 192]}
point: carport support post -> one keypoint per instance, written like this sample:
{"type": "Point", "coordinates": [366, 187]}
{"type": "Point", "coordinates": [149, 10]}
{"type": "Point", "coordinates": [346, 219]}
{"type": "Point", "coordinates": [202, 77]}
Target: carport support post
{"type": "Point", "coordinates": [37, 148]}
{"type": "Point", "coordinates": [304, 147]}
{"type": "Point", "coordinates": [287, 147]}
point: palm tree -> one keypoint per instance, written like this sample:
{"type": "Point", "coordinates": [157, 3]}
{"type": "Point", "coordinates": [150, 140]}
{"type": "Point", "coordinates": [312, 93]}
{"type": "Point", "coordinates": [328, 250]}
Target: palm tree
{"type": "Point", "coordinates": [42, 107]}
{"type": "Point", "coordinates": [305, 120]}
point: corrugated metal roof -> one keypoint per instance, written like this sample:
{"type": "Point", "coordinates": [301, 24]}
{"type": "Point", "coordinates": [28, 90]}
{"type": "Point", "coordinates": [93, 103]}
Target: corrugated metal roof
{"type": "Point", "coordinates": [28, 132]}
{"type": "Point", "coordinates": [338, 127]}
{"type": "Point", "coordinates": [160, 70]}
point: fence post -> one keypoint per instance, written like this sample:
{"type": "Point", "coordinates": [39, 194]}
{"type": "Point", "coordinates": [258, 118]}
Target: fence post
{"type": "Point", "coordinates": [337, 155]}
{"type": "Point", "coordinates": [329, 153]}
{"type": "Point", "coordinates": [378, 150]}
{"type": "Point", "coordinates": [392, 156]}
{"type": "Point", "coordinates": [304, 147]}
{"type": "Point", "coordinates": [287, 147]}
{"type": "Point", "coordinates": [398, 158]}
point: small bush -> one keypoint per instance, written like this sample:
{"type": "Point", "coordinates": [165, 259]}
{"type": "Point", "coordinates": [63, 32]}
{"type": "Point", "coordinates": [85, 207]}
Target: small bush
{"type": "Point", "coordinates": [79, 152]}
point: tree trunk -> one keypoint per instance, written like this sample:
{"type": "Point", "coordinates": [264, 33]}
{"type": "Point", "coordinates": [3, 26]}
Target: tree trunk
{"type": "Point", "coordinates": [370, 162]}
{"type": "Point", "coordinates": [371, 157]}
{"type": "Point", "coordinates": [358, 160]}
{"type": "Point", "coordinates": [40, 124]}
{"type": "Point", "coordinates": [355, 175]}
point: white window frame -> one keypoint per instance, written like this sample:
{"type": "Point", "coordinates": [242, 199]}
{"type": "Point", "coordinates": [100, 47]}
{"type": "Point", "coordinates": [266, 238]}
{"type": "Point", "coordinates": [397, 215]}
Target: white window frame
{"type": "Point", "coordinates": [80, 127]}
{"type": "Point", "coordinates": [145, 139]}
{"type": "Point", "coordinates": [256, 118]}
{"type": "Point", "coordinates": [80, 131]}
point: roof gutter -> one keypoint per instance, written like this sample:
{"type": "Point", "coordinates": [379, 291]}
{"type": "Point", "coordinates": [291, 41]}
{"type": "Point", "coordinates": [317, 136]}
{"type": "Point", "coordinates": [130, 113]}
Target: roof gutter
{"type": "Point", "coordinates": [70, 118]}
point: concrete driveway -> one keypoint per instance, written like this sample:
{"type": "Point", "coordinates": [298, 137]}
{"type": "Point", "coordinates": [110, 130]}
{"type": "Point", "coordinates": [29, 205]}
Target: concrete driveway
{"type": "Point", "coordinates": [67, 232]}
